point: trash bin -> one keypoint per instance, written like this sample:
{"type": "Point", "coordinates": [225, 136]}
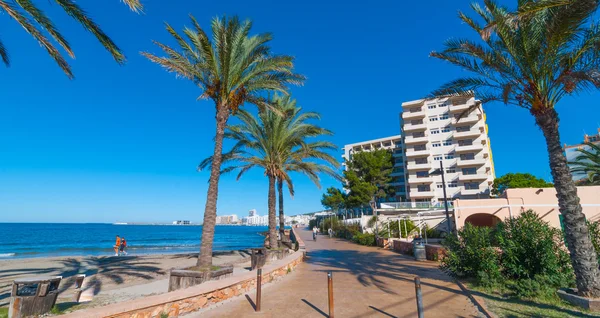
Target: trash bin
{"type": "Point", "coordinates": [33, 296]}
{"type": "Point", "coordinates": [419, 249]}
{"type": "Point", "coordinates": [258, 258]}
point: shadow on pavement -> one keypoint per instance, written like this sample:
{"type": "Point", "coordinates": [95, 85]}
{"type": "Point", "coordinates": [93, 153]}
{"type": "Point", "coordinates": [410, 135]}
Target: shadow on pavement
{"type": "Point", "coordinates": [315, 308]}
{"type": "Point", "coordinates": [382, 312]}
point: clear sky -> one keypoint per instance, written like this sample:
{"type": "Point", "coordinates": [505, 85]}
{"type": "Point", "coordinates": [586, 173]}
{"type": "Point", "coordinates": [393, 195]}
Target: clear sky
{"type": "Point", "coordinates": [121, 143]}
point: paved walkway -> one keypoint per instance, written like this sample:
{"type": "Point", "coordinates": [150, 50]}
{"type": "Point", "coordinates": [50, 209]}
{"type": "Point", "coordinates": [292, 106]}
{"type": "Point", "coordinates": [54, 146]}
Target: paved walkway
{"type": "Point", "coordinates": [368, 282]}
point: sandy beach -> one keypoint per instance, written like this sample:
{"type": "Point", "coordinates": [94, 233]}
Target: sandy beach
{"type": "Point", "coordinates": [108, 279]}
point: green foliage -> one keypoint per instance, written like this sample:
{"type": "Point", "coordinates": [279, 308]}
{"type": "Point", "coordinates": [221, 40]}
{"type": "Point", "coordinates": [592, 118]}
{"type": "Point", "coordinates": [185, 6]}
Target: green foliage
{"type": "Point", "coordinates": [334, 199]}
{"type": "Point", "coordinates": [366, 239]}
{"type": "Point", "coordinates": [330, 222]}
{"type": "Point", "coordinates": [434, 233]}
{"type": "Point", "coordinates": [372, 221]}
{"type": "Point", "coordinates": [524, 254]}
{"type": "Point", "coordinates": [407, 227]}
{"type": "Point", "coordinates": [312, 224]}
{"type": "Point", "coordinates": [164, 315]}
{"type": "Point", "coordinates": [3, 312]}
{"type": "Point", "coordinates": [368, 177]}
{"type": "Point", "coordinates": [594, 228]}
{"type": "Point", "coordinates": [518, 180]}
{"type": "Point", "coordinates": [532, 248]}
{"type": "Point", "coordinates": [347, 231]}
{"type": "Point", "coordinates": [473, 255]}
{"type": "Point", "coordinates": [587, 162]}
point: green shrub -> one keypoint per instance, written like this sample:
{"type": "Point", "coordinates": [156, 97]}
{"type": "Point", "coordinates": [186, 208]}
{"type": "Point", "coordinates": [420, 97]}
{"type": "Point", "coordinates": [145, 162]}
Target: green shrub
{"type": "Point", "coordinates": [312, 224]}
{"type": "Point", "coordinates": [364, 239]}
{"type": "Point", "coordinates": [391, 228]}
{"type": "Point", "coordinates": [594, 228]}
{"type": "Point", "coordinates": [434, 233]}
{"type": "Point", "coordinates": [330, 222]}
{"type": "Point", "coordinates": [532, 248]}
{"type": "Point", "coordinates": [473, 255]}
{"type": "Point", "coordinates": [347, 231]}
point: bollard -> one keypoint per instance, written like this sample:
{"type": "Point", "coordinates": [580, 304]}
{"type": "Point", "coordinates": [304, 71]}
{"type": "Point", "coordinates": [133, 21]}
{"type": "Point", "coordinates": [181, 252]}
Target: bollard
{"type": "Point", "coordinates": [419, 297]}
{"type": "Point", "coordinates": [330, 293]}
{"type": "Point", "coordinates": [258, 287]}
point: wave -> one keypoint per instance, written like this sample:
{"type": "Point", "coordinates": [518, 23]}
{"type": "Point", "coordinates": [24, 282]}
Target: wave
{"type": "Point", "coordinates": [2, 255]}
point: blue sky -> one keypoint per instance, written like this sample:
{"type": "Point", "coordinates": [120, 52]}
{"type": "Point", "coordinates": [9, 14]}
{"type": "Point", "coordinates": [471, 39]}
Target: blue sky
{"type": "Point", "coordinates": [121, 143]}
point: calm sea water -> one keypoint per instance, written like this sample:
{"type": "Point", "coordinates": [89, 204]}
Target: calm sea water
{"type": "Point", "coordinates": [24, 240]}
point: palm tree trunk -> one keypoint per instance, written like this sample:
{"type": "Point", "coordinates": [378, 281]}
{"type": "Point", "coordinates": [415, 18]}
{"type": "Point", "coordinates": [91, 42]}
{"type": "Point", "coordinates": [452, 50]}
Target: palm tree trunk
{"type": "Point", "coordinates": [272, 215]}
{"type": "Point", "coordinates": [281, 214]}
{"type": "Point", "coordinates": [210, 210]}
{"type": "Point", "coordinates": [583, 256]}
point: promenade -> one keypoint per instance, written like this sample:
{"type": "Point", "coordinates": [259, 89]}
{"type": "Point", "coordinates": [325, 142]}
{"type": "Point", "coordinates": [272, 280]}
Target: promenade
{"type": "Point", "coordinates": [368, 282]}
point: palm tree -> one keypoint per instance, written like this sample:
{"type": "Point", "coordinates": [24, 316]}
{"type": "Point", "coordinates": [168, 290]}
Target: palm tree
{"type": "Point", "coordinates": [277, 142]}
{"type": "Point", "coordinates": [34, 20]}
{"type": "Point", "coordinates": [532, 62]}
{"type": "Point", "coordinates": [588, 163]}
{"type": "Point", "coordinates": [231, 69]}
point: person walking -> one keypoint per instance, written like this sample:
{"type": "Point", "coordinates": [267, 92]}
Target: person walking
{"type": "Point", "coordinates": [315, 233]}
{"type": "Point", "coordinates": [117, 246]}
{"type": "Point", "coordinates": [330, 232]}
{"type": "Point", "coordinates": [123, 246]}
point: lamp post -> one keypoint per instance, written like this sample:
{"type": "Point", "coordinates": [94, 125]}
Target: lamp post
{"type": "Point", "coordinates": [440, 171]}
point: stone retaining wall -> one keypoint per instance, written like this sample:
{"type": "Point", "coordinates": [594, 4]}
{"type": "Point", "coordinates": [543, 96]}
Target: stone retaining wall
{"type": "Point", "coordinates": [185, 301]}
{"type": "Point", "coordinates": [403, 247]}
{"type": "Point", "coordinates": [435, 252]}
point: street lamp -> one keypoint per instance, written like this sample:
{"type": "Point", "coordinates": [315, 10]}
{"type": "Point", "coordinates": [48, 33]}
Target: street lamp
{"type": "Point", "coordinates": [440, 171]}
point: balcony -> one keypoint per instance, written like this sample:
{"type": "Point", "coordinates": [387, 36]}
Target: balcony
{"type": "Point", "coordinates": [473, 177]}
{"type": "Point", "coordinates": [415, 127]}
{"type": "Point", "coordinates": [480, 191]}
{"type": "Point", "coordinates": [461, 107]}
{"type": "Point", "coordinates": [418, 102]}
{"type": "Point", "coordinates": [416, 180]}
{"type": "Point", "coordinates": [413, 115]}
{"type": "Point", "coordinates": [411, 153]}
{"type": "Point", "coordinates": [471, 119]}
{"type": "Point", "coordinates": [471, 162]}
{"type": "Point", "coordinates": [397, 173]}
{"type": "Point", "coordinates": [421, 194]}
{"type": "Point", "coordinates": [418, 166]}
{"type": "Point", "coordinates": [398, 153]}
{"type": "Point", "coordinates": [410, 140]}
{"type": "Point", "coordinates": [468, 148]}
{"type": "Point", "coordinates": [472, 133]}
{"type": "Point", "coordinates": [398, 184]}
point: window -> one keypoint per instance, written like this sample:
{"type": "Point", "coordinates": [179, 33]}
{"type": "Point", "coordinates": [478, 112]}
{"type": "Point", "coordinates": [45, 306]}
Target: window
{"type": "Point", "coordinates": [453, 185]}
{"type": "Point", "coordinates": [437, 158]}
{"type": "Point", "coordinates": [422, 174]}
{"type": "Point", "coordinates": [423, 188]}
{"type": "Point", "coordinates": [439, 185]}
{"type": "Point", "coordinates": [447, 143]}
{"type": "Point", "coordinates": [467, 156]}
{"type": "Point", "coordinates": [449, 156]}
{"type": "Point", "coordinates": [435, 131]}
{"type": "Point", "coordinates": [471, 186]}
{"type": "Point", "coordinates": [444, 116]}
{"type": "Point", "coordinates": [431, 106]}
{"type": "Point", "coordinates": [468, 171]}
{"type": "Point", "coordinates": [446, 129]}
{"type": "Point", "coordinates": [436, 144]}
{"type": "Point", "coordinates": [433, 118]}
{"type": "Point", "coordinates": [466, 142]}
{"type": "Point", "coordinates": [450, 170]}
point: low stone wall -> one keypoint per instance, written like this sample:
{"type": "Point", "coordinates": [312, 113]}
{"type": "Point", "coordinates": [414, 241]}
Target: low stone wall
{"type": "Point", "coordinates": [403, 247]}
{"type": "Point", "coordinates": [295, 236]}
{"type": "Point", "coordinates": [185, 301]}
{"type": "Point", "coordinates": [435, 252]}
{"type": "Point", "coordinates": [384, 243]}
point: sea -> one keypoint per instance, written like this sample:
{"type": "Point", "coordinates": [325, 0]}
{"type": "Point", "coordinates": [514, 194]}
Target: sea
{"type": "Point", "coordinates": [27, 240]}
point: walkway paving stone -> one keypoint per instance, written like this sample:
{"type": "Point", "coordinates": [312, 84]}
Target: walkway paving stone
{"type": "Point", "coordinates": [368, 282]}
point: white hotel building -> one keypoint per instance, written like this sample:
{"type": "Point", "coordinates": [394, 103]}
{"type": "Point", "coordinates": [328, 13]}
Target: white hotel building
{"type": "Point", "coordinates": [448, 130]}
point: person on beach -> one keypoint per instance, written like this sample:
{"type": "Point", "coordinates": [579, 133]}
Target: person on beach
{"type": "Point", "coordinates": [117, 246]}
{"type": "Point", "coordinates": [123, 246]}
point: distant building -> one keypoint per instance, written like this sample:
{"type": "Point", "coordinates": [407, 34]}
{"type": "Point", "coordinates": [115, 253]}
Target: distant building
{"type": "Point", "coordinates": [227, 219]}
{"type": "Point", "coordinates": [180, 222]}
{"type": "Point", "coordinates": [571, 151]}
{"type": "Point", "coordinates": [252, 212]}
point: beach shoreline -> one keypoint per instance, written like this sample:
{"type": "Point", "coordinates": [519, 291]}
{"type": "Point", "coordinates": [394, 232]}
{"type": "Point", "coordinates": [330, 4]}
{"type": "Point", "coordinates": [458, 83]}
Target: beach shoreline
{"type": "Point", "coordinates": [109, 279]}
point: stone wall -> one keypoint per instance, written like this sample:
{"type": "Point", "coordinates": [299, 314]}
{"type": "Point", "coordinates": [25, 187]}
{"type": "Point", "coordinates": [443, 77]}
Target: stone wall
{"type": "Point", "coordinates": [192, 299]}
{"type": "Point", "coordinates": [435, 252]}
{"type": "Point", "coordinates": [403, 247]}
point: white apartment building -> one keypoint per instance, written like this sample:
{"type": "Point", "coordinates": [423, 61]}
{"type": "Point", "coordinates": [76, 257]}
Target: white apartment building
{"type": "Point", "coordinates": [394, 144]}
{"type": "Point", "coordinates": [438, 130]}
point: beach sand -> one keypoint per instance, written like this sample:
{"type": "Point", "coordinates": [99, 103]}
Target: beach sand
{"type": "Point", "coordinates": [108, 279]}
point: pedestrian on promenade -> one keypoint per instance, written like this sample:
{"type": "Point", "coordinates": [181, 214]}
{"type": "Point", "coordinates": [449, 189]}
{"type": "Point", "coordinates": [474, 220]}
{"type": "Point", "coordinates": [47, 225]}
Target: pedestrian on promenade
{"type": "Point", "coordinates": [315, 233]}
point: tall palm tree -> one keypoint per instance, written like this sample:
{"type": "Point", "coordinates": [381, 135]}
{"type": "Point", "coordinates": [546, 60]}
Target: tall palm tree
{"type": "Point", "coordinates": [34, 21]}
{"type": "Point", "coordinates": [532, 62]}
{"type": "Point", "coordinates": [231, 69]}
{"type": "Point", "coordinates": [277, 142]}
{"type": "Point", "coordinates": [588, 163]}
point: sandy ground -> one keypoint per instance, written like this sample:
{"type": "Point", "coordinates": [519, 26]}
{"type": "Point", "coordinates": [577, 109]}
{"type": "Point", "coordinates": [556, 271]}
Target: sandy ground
{"type": "Point", "coordinates": [108, 279]}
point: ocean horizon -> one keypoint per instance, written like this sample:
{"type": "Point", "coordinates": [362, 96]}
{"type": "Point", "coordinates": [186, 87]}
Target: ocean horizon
{"type": "Point", "coordinates": [32, 240]}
